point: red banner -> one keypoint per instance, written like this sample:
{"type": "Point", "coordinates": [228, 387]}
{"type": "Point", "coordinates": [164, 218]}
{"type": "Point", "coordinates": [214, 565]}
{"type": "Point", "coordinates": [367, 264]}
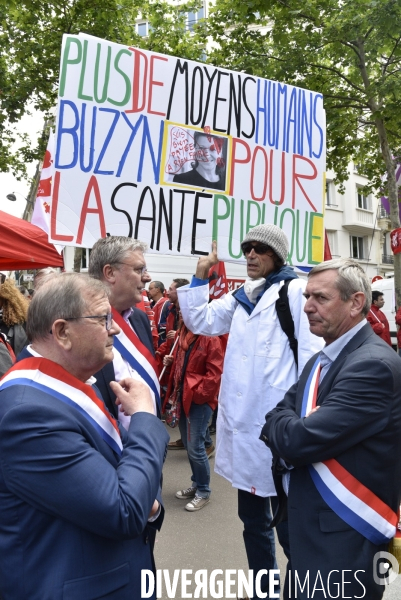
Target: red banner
{"type": "Point", "coordinates": [395, 237]}
{"type": "Point", "coordinates": [217, 281]}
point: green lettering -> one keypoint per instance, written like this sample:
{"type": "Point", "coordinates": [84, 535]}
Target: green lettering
{"type": "Point", "coordinates": [216, 216]}
{"type": "Point", "coordinates": [106, 74]}
{"type": "Point", "coordinates": [81, 95]}
{"type": "Point", "coordinates": [125, 77]}
{"type": "Point", "coordinates": [301, 258]}
{"type": "Point", "coordinates": [249, 225]}
{"type": "Point", "coordinates": [241, 235]}
{"type": "Point", "coordinates": [66, 60]}
{"type": "Point", "coordinates": [291, 240]}
{"type": "Point", "coordinates": [275, 215]}
{"type": "Point", "coordinates": [263, 213]}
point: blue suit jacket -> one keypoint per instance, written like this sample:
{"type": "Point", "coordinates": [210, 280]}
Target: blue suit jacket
{"type": "Point", "coordinates": [359, 424]}
{"type": "Point", "coordinates": [73, 518]}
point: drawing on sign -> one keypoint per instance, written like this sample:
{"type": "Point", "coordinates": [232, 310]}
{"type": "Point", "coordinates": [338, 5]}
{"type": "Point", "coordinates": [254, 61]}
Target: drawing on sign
{"type": "Point", "coordinates": [195, 158]}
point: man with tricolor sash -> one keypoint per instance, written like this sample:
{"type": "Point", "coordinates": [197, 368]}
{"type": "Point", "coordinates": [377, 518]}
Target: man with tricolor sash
{"type": "Point", "coordinates": [119, 263]}
{"type": "Point", "coordinates": [336, 444]}
{"type": "Point", "coordinates": [77, 491]}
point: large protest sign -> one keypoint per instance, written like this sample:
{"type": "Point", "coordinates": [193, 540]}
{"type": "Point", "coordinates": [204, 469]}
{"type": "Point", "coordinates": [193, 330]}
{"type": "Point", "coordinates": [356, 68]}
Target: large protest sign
{"type": "Point", "coordinates": [177, 153]}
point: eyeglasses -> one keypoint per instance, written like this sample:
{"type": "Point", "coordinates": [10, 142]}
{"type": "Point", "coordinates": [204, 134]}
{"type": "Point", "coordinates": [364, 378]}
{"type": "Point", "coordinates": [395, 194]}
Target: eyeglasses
{"type": "Point", "coordinates": [247, 248]}
{"type": "Point", "coordinates": [138, 270]}
{"type": "Point", "coordinates": [108, 319]}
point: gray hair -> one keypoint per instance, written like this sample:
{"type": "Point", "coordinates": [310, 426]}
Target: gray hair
{"type": "Point", "coordinates": [42, 276]}
{"type": "Point", "coordinates": [63, 296]}
{"type": "Point", "coordinates": [159, 285]}
{"type": "Point", "coordinates": [351, 278]}
{"type": "Point", "coordinates": [111, 250]}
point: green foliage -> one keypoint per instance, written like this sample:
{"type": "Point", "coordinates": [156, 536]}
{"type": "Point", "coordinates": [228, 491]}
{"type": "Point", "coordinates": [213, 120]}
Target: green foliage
{"type": "Point", "coordinates": [350, 51]}
{"type": "Point", "coordinates": [30, 43]}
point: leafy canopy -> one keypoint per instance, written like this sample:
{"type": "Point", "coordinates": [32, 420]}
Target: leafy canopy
{"type": "Point", "coordinates": [348, 50]}
{"type": "Point", "coordinates": [30, 43]}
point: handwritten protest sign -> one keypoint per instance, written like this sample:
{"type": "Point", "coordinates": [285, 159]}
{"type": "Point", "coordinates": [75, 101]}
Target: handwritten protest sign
{"type": "Point", "coordinates": [177, 153]}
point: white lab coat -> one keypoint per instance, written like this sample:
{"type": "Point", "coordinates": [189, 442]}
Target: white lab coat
{"type": "Point", "coordinates": [259, 368]}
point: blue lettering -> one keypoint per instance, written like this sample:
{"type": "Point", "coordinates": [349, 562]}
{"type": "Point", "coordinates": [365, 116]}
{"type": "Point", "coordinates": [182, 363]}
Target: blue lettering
{"type": "Point", "coordinates": [260, 109]}
{"type": "Point", "coordinates": [72, 131]}
{"type": "Point", "coordinates": [82, 140]}
{"type": "Point", "coordinates": [318, 97]}
{"type": "Point", "coordinates": [106, 141]}
{"type": "Point", "coordinates": [146, 137]}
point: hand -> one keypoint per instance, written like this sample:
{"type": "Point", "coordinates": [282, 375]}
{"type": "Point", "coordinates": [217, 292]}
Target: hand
{"type": "Point", "coordinates": [206, 262]}
{"type": "Point", "coordinates": [154, 509]}
{"type": "Point", "coordinates": [312, 411]}
{"type": "Point", "coordinates": [170, 335]}
{"type": "Point", "coordinates": [132, 396]}
{"type": "Point", "coordinates": [168, 360]}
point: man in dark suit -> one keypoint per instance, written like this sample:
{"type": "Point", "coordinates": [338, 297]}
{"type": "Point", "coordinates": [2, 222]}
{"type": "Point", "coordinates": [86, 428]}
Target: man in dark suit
{"type": "Point", "coordinates": [119, 263]}
{"type": "Point", "coordinates": [336, 442]}
{"type": "Point", "coordinates": [76, 491]}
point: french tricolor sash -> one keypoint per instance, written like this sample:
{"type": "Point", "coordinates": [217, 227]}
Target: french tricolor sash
{"type": "Point", "coordinates": [53, 379]}
{"type": "Point", "coordinates": [136, 354]}
{"type": "Point", "coordinates": [345, 495]}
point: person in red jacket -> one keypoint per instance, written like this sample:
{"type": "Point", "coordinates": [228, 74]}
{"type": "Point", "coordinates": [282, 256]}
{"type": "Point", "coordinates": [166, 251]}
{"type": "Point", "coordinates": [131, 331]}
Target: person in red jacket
{"type": "Point", "coordinates": [377, 318]}
{"type": "Point", "coordinates": [197, 365]}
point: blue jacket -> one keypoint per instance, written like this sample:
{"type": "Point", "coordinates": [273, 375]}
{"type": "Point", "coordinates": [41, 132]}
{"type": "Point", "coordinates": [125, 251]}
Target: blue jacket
{"type": "Point", "coordinates": [73, 519]}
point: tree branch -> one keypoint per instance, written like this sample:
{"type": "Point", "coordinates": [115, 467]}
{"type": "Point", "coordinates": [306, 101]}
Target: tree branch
{"type": "Point", "coordinates": [391, 53]}
{"type": "Point", "coordinates": [337, 72]}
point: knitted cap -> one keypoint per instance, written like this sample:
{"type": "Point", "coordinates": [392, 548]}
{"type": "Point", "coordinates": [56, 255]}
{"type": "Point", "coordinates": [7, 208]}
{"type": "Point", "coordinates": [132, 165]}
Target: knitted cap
{"type": "Point", "coordinates": [271, 235]}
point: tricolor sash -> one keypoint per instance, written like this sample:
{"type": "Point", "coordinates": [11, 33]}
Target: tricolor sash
{"type": "Point", "coordinates": [345, 495]}
{"type": "Point", "coordinates": [136, 354]}
{"type": "Point", "coordinates": [53, 379]}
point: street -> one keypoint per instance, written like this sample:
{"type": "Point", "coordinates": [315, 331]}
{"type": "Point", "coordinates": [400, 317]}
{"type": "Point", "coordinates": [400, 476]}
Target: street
{"type": "Point", "coordinates": [211, 538]}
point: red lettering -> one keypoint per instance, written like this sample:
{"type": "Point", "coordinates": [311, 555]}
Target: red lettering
{"type": "Point", "coordinates": [297, 176]}
{"type": "Point", "coordinates": [277, 202]}
{"type": "Point", "coordinates": [136, 80]}
{"type": "Point", "coordinates": [262, 197]}
{"type": "Point", "coordinates": [243, 161]}
{"type": "Point", "coordinates": [153, 82]}
{"type": "Point", "coordinates": [92, 185]}
{"type": "Point", "coordinates": [53, 216]}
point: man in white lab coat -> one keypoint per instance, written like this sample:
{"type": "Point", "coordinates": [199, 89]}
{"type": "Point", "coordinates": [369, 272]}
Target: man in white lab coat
{"type": "Point", "coordinates": [259, 368]}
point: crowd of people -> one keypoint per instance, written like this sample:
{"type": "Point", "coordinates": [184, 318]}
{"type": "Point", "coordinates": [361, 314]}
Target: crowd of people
{"type": "Point", "coordinates": [308, 390]}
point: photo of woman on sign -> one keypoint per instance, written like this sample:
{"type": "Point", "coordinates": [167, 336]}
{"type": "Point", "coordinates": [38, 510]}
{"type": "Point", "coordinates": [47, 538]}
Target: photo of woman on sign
{"type": "Point", "coordinates": [209, 168]}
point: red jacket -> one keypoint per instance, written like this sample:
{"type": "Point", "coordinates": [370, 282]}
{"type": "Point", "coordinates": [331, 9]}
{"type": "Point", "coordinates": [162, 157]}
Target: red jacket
{"type": "Point", "coordinates": [203, 373]}
{"type": "Point", "coordinates": [379, 323]}
{"type": "Point", "coordinates": [398, 321]}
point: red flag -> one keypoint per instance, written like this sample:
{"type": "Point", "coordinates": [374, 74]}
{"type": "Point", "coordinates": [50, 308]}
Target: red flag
{"type": "Point", "coordinates": [327, 252]}
{"type": "Point", "coordinates": [395, 238]}
{"type": "Point", "coordinates": [217, 281]}
{"type": "Point", "coordinates": [41, 210]}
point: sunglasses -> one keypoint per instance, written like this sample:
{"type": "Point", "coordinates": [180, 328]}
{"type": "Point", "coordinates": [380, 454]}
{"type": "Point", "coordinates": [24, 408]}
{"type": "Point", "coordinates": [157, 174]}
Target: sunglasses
{"type": "Point", "coordinates": [247, 247]}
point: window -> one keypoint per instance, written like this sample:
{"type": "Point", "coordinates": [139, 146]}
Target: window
{"type": "Point", "coordinates": [329, 195]}
{"type": "Point", "coordinates": [332, 239]}
{"type": "Point", "coordinates": [357, 247]}
{"type": "Point", "coordinates": [85, 258]}
{"type": "Point", "coordinates": [362, 200]}
{"type": "Point", "coordinates": [193, 18]}
{"type": "Point", "coordinates": [142, 29]}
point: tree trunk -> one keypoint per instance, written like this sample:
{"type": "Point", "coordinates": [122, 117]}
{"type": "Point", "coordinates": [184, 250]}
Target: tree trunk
{"type": "Point", "coordinates": [393, 201]}
{"type": "Point", "coordinates": [374, 105]}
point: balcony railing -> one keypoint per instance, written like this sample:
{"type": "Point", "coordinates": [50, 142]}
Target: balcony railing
{"type": "Point", "coordinates": [388, 259]}
{"type": "Point", "coordinates": [382, 213]}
